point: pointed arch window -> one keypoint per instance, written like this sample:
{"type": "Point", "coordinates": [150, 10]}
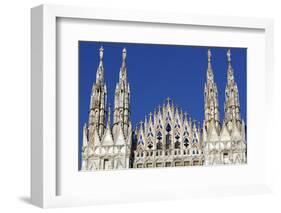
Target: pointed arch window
{"type": "Point", "coordinates": [186, 133]}
{"type": "Point", "coordinates": [159, 142]}
{"type": "Point", "coordinates": [194, 135]}
{"type": "Point", "coordinates": [140, 140]}
{"type": "Point", "coordinates": [159, 126]}
{"type": "Point", "coordinates": [159, 145]}
{"type": "Point", "coordinates": [150, 132]}
{"type": "Point", "coordinates": [140, 149]}
{"type": "Point", "coordinates": [168, 118]}
{"type": "Point", "coordinates": [186, 143]}
{"type": "Point", "coordinates": [177, 145]}
{"type": "Point", "coordinates": [177, 125]}
{"type": "Point", "coordinates": [168, 136]}
{"type": "Point", "coordinates": [168, 141]}
{"type": "Point", "coordinates": [159, 136]}
{"type": "Point", "coordinates": [150, 144]}
{"type": "Point", "coordinates": [168, 128]}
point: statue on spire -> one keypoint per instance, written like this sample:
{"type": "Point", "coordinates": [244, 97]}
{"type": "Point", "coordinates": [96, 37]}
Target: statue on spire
{"type": "Point", "coordinates": [228, 56]}
{"type": "Point", "coordinates": [230, 76]}
{"type": "Point", "coordinates": [168, 100]}
{"type": "Point", "coordinates": [101, 53]}
{"type": "Point", "coordinates": [100, 72]}
{"type": "Point", "coordinates": [209, 70]}
{"type": "Point", "coordinates": [209, 55]}
{"type": "Point", "coordinates": [124, 55]}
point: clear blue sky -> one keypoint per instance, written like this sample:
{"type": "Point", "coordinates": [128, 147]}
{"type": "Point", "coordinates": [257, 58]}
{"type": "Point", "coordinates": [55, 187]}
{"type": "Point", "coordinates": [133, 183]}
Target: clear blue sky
{"type": "Point", "coordinates": [156, 72]}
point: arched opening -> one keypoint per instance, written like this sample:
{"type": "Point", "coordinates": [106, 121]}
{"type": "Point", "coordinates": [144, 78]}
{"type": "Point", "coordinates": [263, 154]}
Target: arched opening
{"type": "Point", "coordinates": [168, 136]}
{"type": "Point", "coordinates": [186, 143]}
{"type": "Point", "coordinates": [159, 142]}
{"type": "Point", "coordinates": [177, 145]}
{"type": "Point", "coordinates": [168, 141]}
{"type": "Point", "coordinates": [168, 128]}
{"type": "Point", "coordinates": [159, 145]}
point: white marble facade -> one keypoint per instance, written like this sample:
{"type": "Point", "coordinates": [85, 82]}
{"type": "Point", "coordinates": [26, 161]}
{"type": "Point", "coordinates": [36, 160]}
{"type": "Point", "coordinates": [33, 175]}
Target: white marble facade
{"type": "Point", "coordinates": [105, 145]}
{"type": "Point", "coordinates": [168, 137]}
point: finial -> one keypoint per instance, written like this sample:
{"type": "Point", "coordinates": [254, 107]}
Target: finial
{"type": "Point", "coordinates": [168, 100]}
{"type": "Point", "coordinates": [209, 60]}
{"type": "Point", "coordinates": [141, 123]}
{"type": "Point", "coordinates": [101, 53]}
{"type": "Point", "coordinates": [150, 114]}
{"type": "Point", "coordinates": [124, 54]}
{"type": "Point", "coordinates": [159, 108]}
{"type": "Point", "coordinates": [228, 56]}
{"type": "Point", "coordinates": [209, 55]}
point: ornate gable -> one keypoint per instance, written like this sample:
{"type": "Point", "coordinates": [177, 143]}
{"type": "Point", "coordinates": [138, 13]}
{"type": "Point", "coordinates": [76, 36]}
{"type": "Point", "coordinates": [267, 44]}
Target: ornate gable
{"type": "Point", "coordinates": [120, 139]}
{"type": "Point", "coordinates": [212, 132]}
{"type": "Point", "coordinates": [107, 139]}
{"type": "Point", "coordinates": [225, 136]}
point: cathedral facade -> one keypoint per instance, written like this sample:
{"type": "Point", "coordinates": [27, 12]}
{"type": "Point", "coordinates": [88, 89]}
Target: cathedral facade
{"type": "Point", "coordinates": [168, 137]}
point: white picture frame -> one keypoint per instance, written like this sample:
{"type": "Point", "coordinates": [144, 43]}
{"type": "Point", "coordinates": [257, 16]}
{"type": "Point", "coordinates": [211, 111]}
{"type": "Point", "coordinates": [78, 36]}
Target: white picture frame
{"type": "Point", "coordinates": [44, 148]}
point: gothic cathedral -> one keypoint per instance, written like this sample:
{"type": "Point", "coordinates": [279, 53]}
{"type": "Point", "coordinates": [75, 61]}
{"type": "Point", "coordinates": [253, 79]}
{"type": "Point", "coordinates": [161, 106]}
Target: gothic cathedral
{"type": "Point", "coordinates": [168, 137]}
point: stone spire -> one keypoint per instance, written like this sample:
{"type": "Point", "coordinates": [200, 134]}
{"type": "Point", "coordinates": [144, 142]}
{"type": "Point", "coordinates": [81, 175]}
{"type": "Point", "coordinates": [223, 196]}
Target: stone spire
{"type": "Point", "coordinates": [231, 105]}
{"type": "Point", "coordinates": [122, 100]}
{"type": "Point", "coordinates": [98, 100]}
{"type": "Point", "coordinates": [211, 97]}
